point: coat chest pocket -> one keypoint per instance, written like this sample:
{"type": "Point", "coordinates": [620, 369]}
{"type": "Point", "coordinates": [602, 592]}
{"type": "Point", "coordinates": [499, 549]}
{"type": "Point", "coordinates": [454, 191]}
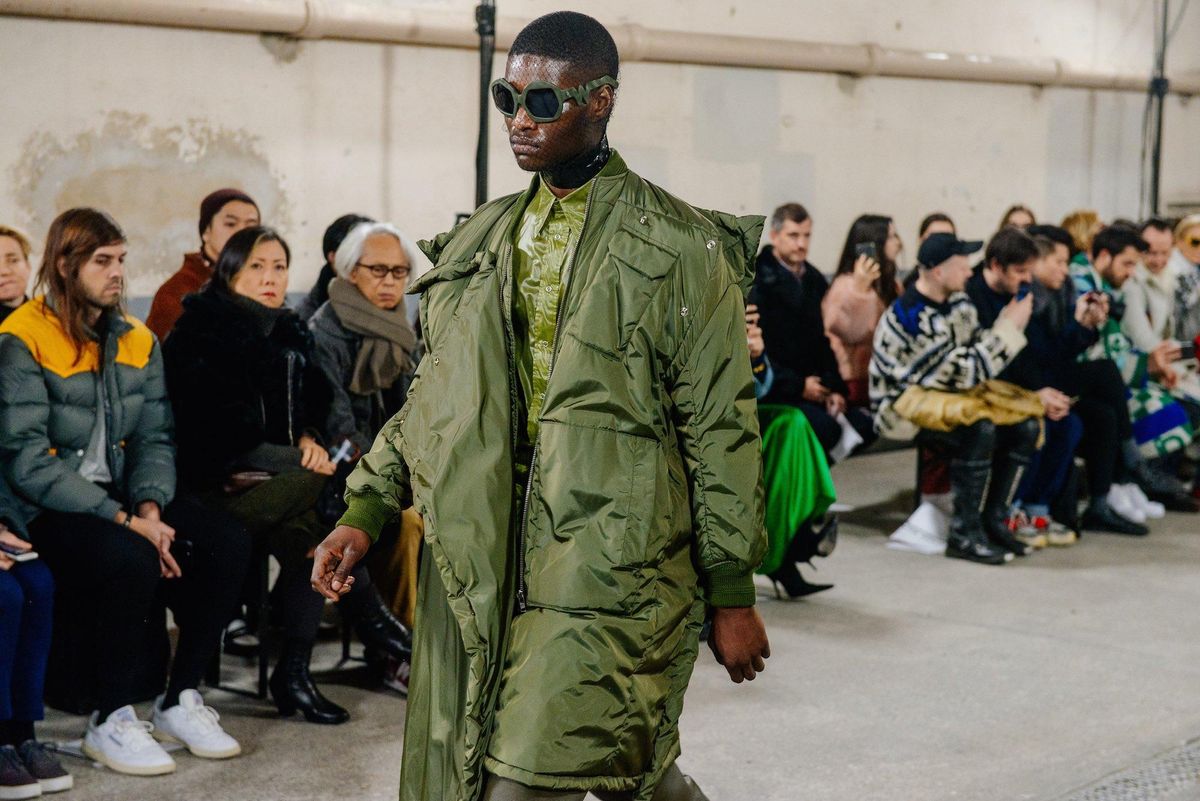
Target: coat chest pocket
{"type": "Point", "coordinates": [620, 291]}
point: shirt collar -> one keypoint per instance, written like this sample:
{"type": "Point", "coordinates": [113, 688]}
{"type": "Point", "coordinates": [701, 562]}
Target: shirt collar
{"type": "Point", "coordinates": [573, 206]}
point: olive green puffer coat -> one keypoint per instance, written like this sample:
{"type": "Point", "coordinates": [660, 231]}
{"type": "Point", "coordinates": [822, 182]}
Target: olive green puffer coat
{"type": "Point", "coordinates": [555, 641]}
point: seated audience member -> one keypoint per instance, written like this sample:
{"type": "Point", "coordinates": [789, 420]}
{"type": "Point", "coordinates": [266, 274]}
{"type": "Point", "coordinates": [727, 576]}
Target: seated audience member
{"type": "Point", "coordinates": [85, 434]}
{"type": "Point", "coordinates": [935, 223]}
{"type": "Point", "coordinates": [1149, 294]}
{"type": "Point", "coordinates": [27, 768]}
{"type": "Point", "coordinates": [1160, 424]}
{"type": "Point", "coordinates": [1017, 216]}
{"type": "Point", "coordinates": [796, 479]}
{"type": "Point", "coordinates": [863, 287]}
{"type": "Point", "coordinates": [222, 214]}
{"type": "Point", "coordinates": [334, 235]}
{"type": "Point", "coordinates": [1185, 266]}
{"type": "Point", "coordinates": [930, 339]}
{"type": "Point", "coordinates": [788, 292]}
{"type": "Point", "coordinates": [364, 341]}
{"type": "Point", "coordinates": [249, 404]}
{"type": "Point", "coordinates": [1046, 365]}
{"type": "Point", "coordinates": [1082, 225]}
{"type": "Point", "coordinates": [14, 270]}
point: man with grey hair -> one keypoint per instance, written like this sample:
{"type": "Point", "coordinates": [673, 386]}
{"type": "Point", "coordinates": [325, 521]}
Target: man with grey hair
{"type": "Point", "coordinates": [365, 344]}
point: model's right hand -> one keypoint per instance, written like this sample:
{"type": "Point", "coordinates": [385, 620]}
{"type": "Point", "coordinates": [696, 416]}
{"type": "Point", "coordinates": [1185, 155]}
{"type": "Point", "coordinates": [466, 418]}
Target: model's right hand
{"type": "Point", "coordinates": [335, 558]}
{"type": "Point", "coordinates": [1018, 312]}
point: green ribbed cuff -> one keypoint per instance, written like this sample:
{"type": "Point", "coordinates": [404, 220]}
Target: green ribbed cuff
{"type": "Point", "coordinates": [728, 586]}
{"type": "Point", "coordinates": [367, 513]}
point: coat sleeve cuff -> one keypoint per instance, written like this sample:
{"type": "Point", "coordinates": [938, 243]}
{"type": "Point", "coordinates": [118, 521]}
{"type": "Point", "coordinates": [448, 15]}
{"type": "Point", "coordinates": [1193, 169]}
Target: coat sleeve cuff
{"type": "Point", "coordinates": [729, 586]}
{"type": "Point", "coordinates": [367, 513]}
{"type": "Point", "coordinates": [1012, 337]}
{"type": "Point", "coordinates": [108, 509]}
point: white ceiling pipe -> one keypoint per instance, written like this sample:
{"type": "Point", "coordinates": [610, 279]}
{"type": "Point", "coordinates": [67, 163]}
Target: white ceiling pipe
{"type": "Point", "coordinates": [361, 21]}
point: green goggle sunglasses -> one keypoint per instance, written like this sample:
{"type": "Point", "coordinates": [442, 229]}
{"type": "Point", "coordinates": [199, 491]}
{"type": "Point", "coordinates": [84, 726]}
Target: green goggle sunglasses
{"type": "Point", "coordinates": [542, 101]}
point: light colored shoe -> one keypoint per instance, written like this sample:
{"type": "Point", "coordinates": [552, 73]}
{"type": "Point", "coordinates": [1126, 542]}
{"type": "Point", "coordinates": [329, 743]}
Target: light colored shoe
{"type": "Point", "coordinates": [1123, 504]}
{"type": "Point", "coordinates": [1152, 509]}
{"type": "Point", "coordinates": [195, 725]}
{"type": "Point", "coordinates": [1027, 530]}
{"type": "Point", "coordinates": [1059, 536]}
{"type": "Point", "coordinates": [123, 743]}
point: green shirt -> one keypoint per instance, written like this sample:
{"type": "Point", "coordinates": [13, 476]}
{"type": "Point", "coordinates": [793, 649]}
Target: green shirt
{"type": "Point", "coordinates": [547, 235]}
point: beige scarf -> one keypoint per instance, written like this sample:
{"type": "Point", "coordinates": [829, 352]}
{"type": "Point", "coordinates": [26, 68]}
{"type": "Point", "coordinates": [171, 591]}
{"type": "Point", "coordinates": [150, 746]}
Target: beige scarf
{"type": "Point", "coordinates": [388, 338]}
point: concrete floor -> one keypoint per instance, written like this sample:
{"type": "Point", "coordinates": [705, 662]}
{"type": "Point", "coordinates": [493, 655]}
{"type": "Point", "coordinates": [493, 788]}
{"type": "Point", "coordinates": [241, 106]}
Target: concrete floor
{"type": "Point", "coordinates": [914, 678]}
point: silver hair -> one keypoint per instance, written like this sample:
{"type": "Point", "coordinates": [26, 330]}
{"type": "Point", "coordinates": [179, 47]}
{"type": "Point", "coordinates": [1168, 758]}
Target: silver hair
{"type": "Point", "coordinates": [351, 249]}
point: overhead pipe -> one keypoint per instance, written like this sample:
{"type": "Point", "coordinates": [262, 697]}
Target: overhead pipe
{"type": "Point", "coordinates": [355, 20]}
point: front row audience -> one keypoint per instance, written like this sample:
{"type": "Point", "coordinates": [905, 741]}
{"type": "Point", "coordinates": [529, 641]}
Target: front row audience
{"type": "Point", "coordinates": [1006, 371]}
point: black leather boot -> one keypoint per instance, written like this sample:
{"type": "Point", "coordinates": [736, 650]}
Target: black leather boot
{"type": "Point", "coordinates": [1006, 475]}
{"type": "Point", "coordinates": [292, 687]}
{"type": "Point", "coordinates": [968, 479]}
{"type": "Point", "coordinates": [377, 628]}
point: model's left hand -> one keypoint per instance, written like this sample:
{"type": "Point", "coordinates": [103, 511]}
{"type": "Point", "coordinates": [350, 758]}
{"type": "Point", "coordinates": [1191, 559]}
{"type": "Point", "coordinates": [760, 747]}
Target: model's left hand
{"type": "Point", "coordinates": [739, 641]}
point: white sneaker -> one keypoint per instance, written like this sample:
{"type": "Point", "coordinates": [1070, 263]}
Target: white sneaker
{"type": "Point", "coordinates": [195, 725]}
{"type": "Point", "coordinates": [1153, 509]}
{"type": "Point", "coordinates": [123, 743]}
{"type": "Point", "coordinates": [1124, 505]}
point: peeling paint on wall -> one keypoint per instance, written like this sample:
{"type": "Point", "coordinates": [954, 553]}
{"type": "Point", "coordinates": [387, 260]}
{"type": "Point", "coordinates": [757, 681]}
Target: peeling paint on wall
{"type": "Point", "coordinates": [150, 179]}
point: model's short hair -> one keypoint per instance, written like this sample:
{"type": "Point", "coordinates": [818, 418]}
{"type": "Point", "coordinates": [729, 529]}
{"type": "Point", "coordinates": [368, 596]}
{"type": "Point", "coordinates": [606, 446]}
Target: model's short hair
{"type": "Point", "coordinates": [1157, 224]}
{"type": "Point", "coordinates": [21, 240]}
{"type": "Point", "coordinates": [1010, 246]}
{"type": "Point", "coordinates": [1115, 238]}
{"type": "Point", "coordinates": [792, 212]}
{"type": "Point", "coordinates": [936, 217]}
{"type": "Point", "coordinates": [351, 249]}
{"type": "Point", "coordinates": [572, 37]}
{"type": "Point", "coordinates": [1045, 245]}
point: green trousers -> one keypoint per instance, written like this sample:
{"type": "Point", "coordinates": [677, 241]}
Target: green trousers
{"type": "Point", "coordinates": [674, 787]}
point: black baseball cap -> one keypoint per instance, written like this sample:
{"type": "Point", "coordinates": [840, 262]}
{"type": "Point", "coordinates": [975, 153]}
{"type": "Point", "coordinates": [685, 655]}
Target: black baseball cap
{"type": "Point", "coordinates": [937, 248]}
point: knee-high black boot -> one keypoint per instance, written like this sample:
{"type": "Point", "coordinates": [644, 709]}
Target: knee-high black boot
{"type": "Point", "coordinates": [1006, 475]}
{"type": "Point", "coordinates": [967, 540]}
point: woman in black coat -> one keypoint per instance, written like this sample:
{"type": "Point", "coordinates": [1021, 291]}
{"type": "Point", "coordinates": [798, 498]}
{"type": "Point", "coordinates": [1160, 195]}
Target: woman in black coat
{"type": "Point", "coordinates": [249, 402]}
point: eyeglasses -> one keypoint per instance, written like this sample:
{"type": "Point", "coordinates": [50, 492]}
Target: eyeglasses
{"type": "Point", "coordinates": [542, 101]}
{"type": "Point", "coordinates": [382, 271]}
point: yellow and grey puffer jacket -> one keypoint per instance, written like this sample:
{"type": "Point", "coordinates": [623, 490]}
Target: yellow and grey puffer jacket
{"type": "Point", "coordinates": [48, 407]}
{"type": "Point", "coordinates": [644, 502]}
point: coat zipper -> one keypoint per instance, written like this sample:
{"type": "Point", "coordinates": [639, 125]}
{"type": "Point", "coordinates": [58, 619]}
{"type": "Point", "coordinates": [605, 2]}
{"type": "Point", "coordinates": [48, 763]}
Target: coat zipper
{"type": "Point", "coordinates": [522, 590]}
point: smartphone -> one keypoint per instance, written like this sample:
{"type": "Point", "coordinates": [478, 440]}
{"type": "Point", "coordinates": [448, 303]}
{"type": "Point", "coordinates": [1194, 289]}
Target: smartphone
{"type": "Point", "coordinates": [1024, 291]}
{"type": "Point", "coordinates": [18, 554]}
{"type": "Point", "coordinates": [865, 249]}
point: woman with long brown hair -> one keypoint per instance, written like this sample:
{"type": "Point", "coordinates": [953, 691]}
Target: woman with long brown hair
{"type": "Point", "coordinates": [865, 285]}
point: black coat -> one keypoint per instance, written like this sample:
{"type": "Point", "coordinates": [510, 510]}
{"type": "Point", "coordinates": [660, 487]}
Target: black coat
{"type": "Point", "coordinates": [793, 329]}
{"type": "Point", "coordinates": [1054, 338]}
{"type": "Point", "coordinates": [242, 398]}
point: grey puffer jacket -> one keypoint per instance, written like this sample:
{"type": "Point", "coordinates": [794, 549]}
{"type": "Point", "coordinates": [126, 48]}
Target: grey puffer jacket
{"type": "Point", "coordinates": [11, 510]}
{"type": "Point", "coordinates": [358, 418]}
{"type": "Point", "coordinates": [48, 402]}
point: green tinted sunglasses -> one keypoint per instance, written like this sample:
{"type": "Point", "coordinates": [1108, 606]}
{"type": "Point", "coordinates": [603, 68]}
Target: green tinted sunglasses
{"type": "Point", "coordinates": [542, 101]}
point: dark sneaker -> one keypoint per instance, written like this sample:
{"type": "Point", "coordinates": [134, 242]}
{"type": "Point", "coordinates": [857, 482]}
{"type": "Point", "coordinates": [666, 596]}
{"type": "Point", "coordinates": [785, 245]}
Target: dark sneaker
{"type": "Point", "coordinates": [15, 781]}
{"type": "Point", "coordinates": [43, 766]}
{"type": "Point", "coordinates": [1104, 518]}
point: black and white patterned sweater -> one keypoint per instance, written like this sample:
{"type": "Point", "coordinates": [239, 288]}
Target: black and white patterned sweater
{"type": "Point", "coordinates": [936, 346]}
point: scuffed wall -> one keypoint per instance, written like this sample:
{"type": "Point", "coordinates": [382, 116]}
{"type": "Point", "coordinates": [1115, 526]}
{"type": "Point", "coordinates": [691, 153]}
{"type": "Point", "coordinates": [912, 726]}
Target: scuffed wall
{"type": "Point", "coordinates": [144, 121]}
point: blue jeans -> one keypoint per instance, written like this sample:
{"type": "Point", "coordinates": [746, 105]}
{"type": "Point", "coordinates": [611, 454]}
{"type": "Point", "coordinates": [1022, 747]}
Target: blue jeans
{"type": "Point", "coordinates": [26, 612]}
{"type": "Point", "coordinates": [1048, 471]}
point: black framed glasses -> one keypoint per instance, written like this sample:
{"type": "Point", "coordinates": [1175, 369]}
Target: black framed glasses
{"type": "Point", "coordinates": [382, 271]}
{"type": "Point", "coordinates": [542, 101]}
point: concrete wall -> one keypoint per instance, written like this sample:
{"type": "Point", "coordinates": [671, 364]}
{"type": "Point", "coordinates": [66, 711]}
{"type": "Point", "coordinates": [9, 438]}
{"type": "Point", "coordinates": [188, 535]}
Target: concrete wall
{"type": "Point", "coordinates": [144, 121]}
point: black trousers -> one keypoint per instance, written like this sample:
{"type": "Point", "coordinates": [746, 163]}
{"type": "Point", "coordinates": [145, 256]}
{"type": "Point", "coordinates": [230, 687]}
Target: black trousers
{"type": "Point", "coordinates": [1104, 410]}
{"type": "Point", "coordinates": [118, 572]}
